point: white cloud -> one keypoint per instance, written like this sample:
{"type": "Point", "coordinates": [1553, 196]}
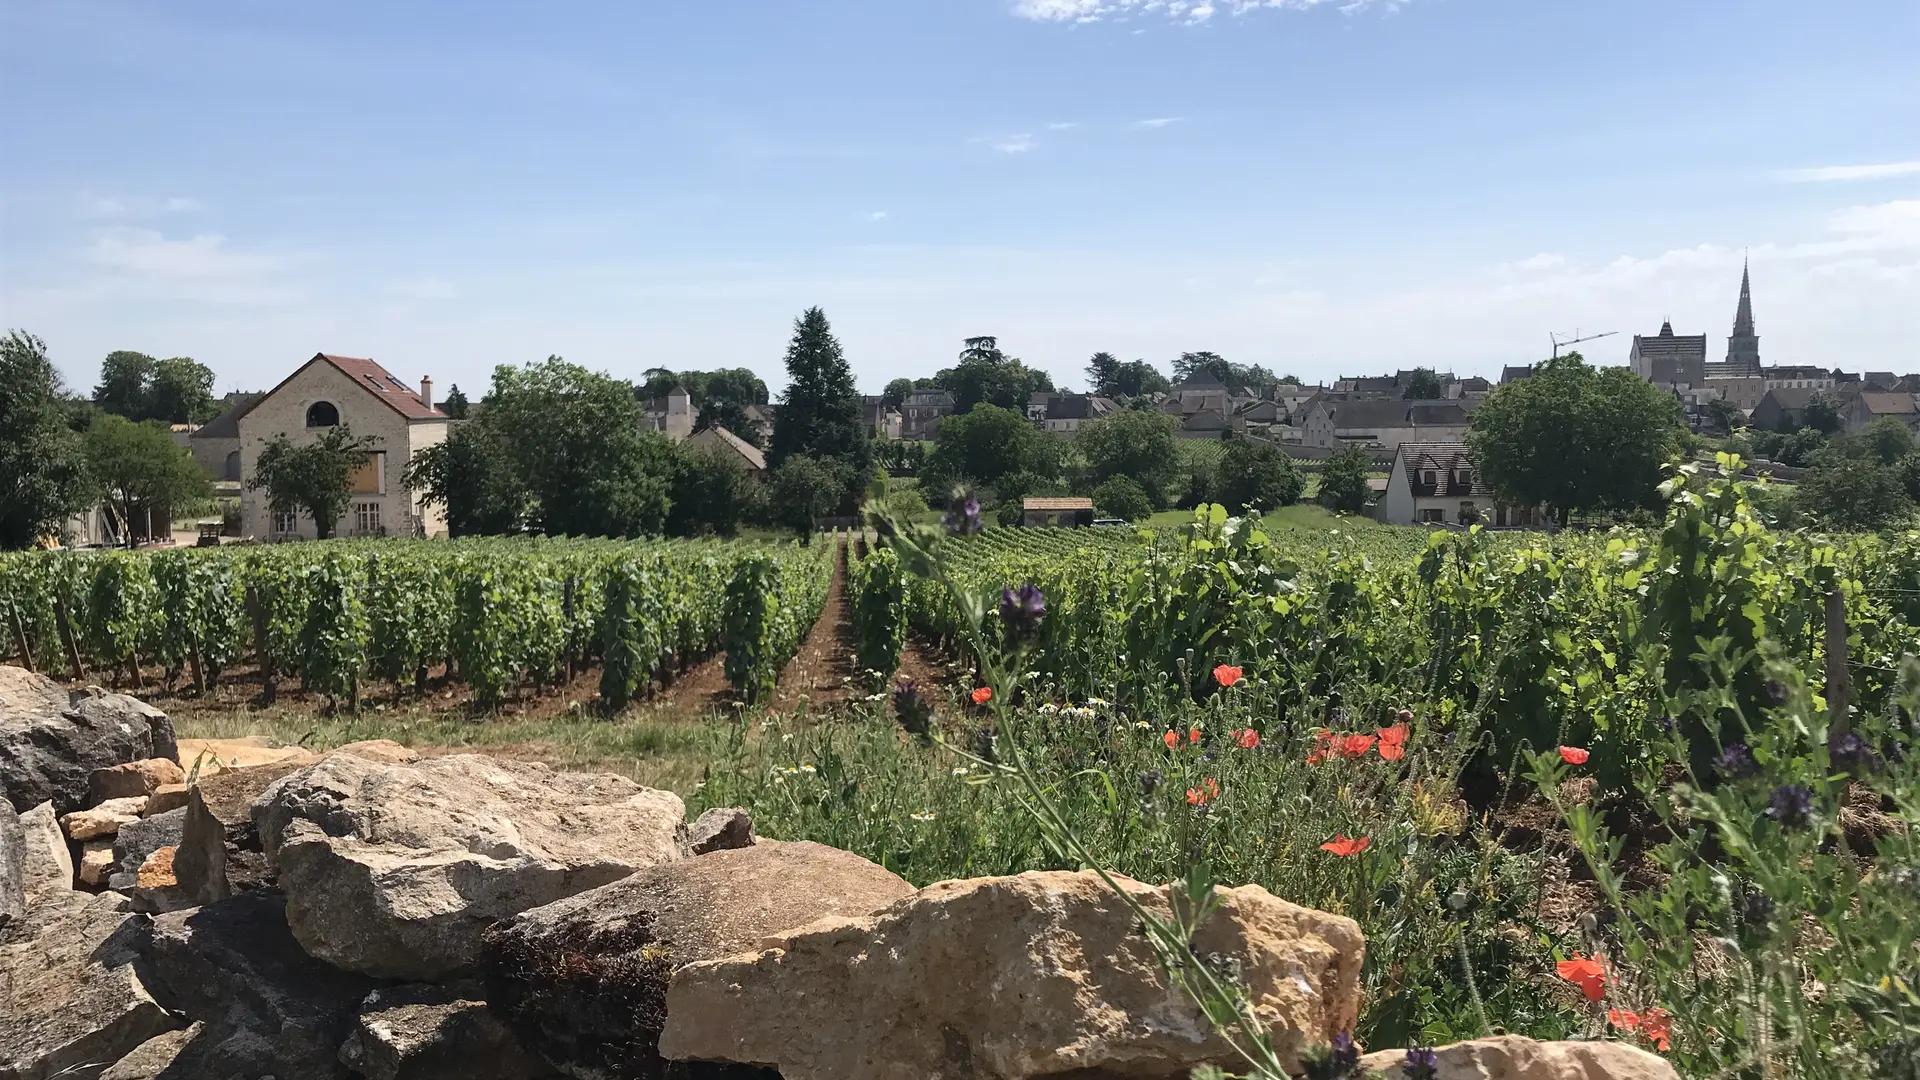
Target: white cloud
{"type": "Point", "coordinates": [1158, 121]}
{"type": "Point", "coordinates": [1831, 173]}
{"type": "Point", "coordinates": [137, 206]}
{"type": "Point", "coordinates": [877, 215]}
{"type": "Point", "coordinates": [1014, 144]}
{"type": "Point", "coordinates": [1187, 11]}
{"type": "Point", "coordinates": [1063, 125]}
{"type": "Point", "coordinates": [204, 267]}
{"type": "Point", "coordinates": [1543, 261]}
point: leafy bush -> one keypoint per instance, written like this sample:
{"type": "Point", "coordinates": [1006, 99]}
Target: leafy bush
{"type": "Point", "coordinates": [878, 600]}
{"type": "Point", "coordinates": [1120, 497]}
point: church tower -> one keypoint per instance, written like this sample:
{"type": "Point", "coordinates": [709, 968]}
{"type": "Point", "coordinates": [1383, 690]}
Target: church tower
{"type": "Point", "coordinates": [1743, 348]}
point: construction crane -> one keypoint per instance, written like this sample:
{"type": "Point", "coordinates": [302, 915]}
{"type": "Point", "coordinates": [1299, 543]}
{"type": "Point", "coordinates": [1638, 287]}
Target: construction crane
{"type": "Point", "coordinates": [1576, 339]}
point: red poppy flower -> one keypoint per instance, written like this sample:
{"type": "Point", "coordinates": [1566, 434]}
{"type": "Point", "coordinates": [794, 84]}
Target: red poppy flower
{"type": "Point", "coordinates": [1326, 744]}
{"type": "Point", "coordinates": [1356, 746]}
{"type": "Point", "coordinates": [1172, 739]}
{"type": "Point", "coordinates": [1193, 735]}
{"type": "Point", "coordinates": [1588, 974]}
{"type": "Point", "coordinates": [1343, 845]}
{"type": "Point", "coordinates": [1246, 738]}
{"type": "Point", "coordinates": [1657, 1025]}
{"type": "Point", "coordinates": [1573, 755]}
{"type": "Point", "coordinates": [1624, 1019]}
{"type": "Point", "coordinates": [1226, 674]}
{"type": "Point", "coordinates": [982, 695]}
{"type": "Point", "coordinates": [1393, 742]}
{"type": "Point", "coordinates": [1208, 790]}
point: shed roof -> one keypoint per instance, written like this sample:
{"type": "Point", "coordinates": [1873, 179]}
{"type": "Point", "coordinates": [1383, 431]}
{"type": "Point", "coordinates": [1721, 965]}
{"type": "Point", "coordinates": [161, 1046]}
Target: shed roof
{"type": "Point", "coordinates": [1048, 503]}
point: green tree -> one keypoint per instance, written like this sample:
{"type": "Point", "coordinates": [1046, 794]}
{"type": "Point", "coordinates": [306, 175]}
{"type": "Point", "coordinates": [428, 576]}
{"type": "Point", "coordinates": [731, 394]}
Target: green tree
{"type": "Point", "coordinates": [819, 413]}
{"type": "Point", "coordinates": [1191, 364]}
{"type": "Point", "coordinates": [1422, 385]}
{"type": "Point", "coordinates": [1107, 375]}
{"type": "Point", "coordinates": [988, 445]}
{"type": "Point", "coordinates": [143, 471]}
{"type": "Point", "coordinates": [1343, 480]}
{"type": "Point", "coordinates": [1572, 438]}
{"type": "Point", "coordinates": [1886, 439]}
{"type": "Point", "coordinates": [1798, 448]}
{"type": "Point", "coordinates": [578, 447]}
{"type": "Point", "coordinates": [473, 475]}
{"type": "Point", "coordinates": [1140, 445]}
{"type": "Point", "coordinates": [1822, 413]}
{"type": "Point", "coordinates": [456, 406]}
{"type": "Point", "coordinates": [43, 473]}
{"type": "Point", "coordinates": [181, 392]}
{"type": "Point", "coordinates": [1121, 497]}
{"type": "Point", "coordinates": [1726, 415]}
{"type": "Point", "coordinates": [314, 478]}
{"type": "Point", "coordinates": [895, 395]}
{"type": "Point", "coordinates": [124, 380]}
{"type": "Point", "coordinates": [802, 490]}
{"type": "Point", "coordinates": [1853, 493]}
{"type": "Point", "coordinates": [986, 374]}
{"type": "Point", "coordinates": [1103, 370]}
{"type": "Point", "coordinates": [1255, 475]}
{"type": "Point", "coordinates": [712, 493]}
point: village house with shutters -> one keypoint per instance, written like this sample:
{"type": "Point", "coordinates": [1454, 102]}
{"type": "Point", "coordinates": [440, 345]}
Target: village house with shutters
{"type": "Point", "coordinates": [327, 392]}
{"type": "Point", "coordinates": [1435, 483]}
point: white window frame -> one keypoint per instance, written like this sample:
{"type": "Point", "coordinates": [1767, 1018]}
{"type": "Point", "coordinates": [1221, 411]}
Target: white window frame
{"type": "Point", "coordinates": [366, 518]}
{"type": "Point", "coordinates": [283, 523]}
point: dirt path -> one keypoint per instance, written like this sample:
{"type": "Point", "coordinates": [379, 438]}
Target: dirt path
{"type": "Point", "coordinates": [822, 672]}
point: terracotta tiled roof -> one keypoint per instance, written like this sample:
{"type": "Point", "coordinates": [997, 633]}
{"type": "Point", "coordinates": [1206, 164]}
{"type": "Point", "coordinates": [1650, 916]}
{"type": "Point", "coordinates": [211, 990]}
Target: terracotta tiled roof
{"type": "Point", "coordinates": [1050, 504]}
{"type": "Point", "coordinates": [382, 384]}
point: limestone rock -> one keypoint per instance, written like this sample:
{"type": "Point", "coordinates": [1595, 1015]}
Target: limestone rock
{"type": "Point", "coordinates": [13, 866]}
{"type": "Point", "coordinates": [395, 870]}
{"type": "Point", "coordinates": [585, 979]}
{"type": "Point", "coordinates": [720, 829]}
{"type": "Point", "coordinates": [152, 1059]}
{"type": "Point", "coordinates": [424, 1032]}
{"type": "Point", "coordinates": [133, 779]}
{"type": "Point", "coordinates": [166, 797]}
{"type": "Point", "coordinates": [139, 839]}
{"type": "Point", "coordinates": [155, 889]}
{"type": "Point", "coordinates": [52, 741]}
{"type": "Point", "coordinates": [96, 863]}
{"type": "Point", "coordinates": [381, 750]}
{"type": "Point", "coordinates": [1512, 1057]}
{"type": "Point", "coordinates": [1037, 975]}
{"type": "Point", "coordinates": [219, 847]}
{"type": "Point", "coordinates": [103, 820]}
{"type": "Point", "coordinates": [76, 992]}
{"type": "Point", "coordinates": [157, 871]}
{"type": "Point", "coordinates": [268, 1006]}
{"type": "Point", "coordinates": [46, 866]}
{"type": "Point", "coordinates": [203, 758]}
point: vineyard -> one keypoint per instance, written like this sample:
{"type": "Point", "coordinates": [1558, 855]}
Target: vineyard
{"type": "Point", "coordinates": [500, 616]}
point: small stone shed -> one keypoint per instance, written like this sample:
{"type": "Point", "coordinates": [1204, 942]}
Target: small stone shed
{"type": "Point", "coordinates": [1039, 511]}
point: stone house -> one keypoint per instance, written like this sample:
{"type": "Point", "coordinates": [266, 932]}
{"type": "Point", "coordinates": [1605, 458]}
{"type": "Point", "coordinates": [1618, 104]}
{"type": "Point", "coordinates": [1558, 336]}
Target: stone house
{"type": "Point", "coordinates": [920, 414]}
{"type": "Point", "coordinates": [1065, 414]}
{"type": "Point", "coordinates": [216, 443]}
{"type": "Point", "coordinates": [1797, 377]}
{"type": "Point", "coordinates": [1785, 408]}
{"type": "Point", "coordinates": [1668, 360]}
{"type": "Point", "coordinates": [1384, 422]}
{"type": "Point", "coordinates": [329, 391]}
{"type": "Point", "coordinates": [1435, 483]}
{"type": "Point", "coordinates": [730, 448]}
{"type": "Point", "coordinates": [1866, 408]}
{"type": "Point", "coordinates": [1041, 511]}
{"type": "Point", "coordinates": [671, 415]}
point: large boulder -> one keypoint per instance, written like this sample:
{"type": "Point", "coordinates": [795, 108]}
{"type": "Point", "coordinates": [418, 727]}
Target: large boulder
{"type": "Point", "coordinates": [77, 996]}
{"type": "Point", "coordinates": [395, 870]}
{"type": "Point", "coordinates": [1038, 975]}
{"type": "Point", "coordinates": [51, 741]}
{"type": "Point", "coordinates": [153, 1059]}
{"type": "Point", "coordinates": [267, 1007]}
{"type": "Point", "coordinates": [219, 848]}
{"type": "Point", "coordinates": [135, 779]}
{"type": "Point", "coordinates": [585, 979]}
{"type": "Point", "coordinates": [13, 866]}
{"type": "Point", "coordinates": [1512, 1057]}
{"type": "Point", "coordinates": [426, 1032]}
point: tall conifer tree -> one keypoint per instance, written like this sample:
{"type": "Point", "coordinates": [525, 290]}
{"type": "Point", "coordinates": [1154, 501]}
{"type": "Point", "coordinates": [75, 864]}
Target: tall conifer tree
{"type": "Point", "coordinates": [819, 414]}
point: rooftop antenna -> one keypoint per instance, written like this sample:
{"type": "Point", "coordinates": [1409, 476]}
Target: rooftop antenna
{"type": "Point", "coordinates": [1575, 339]}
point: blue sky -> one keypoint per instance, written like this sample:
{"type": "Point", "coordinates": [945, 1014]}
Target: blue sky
{"type": "Point", "coordinates": [1322, 187]}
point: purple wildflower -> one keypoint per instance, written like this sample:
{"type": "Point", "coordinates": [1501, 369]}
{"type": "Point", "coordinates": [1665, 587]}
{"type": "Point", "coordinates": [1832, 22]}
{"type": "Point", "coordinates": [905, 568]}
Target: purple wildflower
{"type": "Point", "coordinates": [1023, 608]}
{"type": "Point", "coordinates": [1421, 1064]}
{"type": "Point", "coordinates": [963, 516]}
{"type": "Point", "coordinates": [1849, 751]}
{"type": "Point", "coordinates": [1736, 762]}
{"type": "Point", "coordinates": [1790, 805]}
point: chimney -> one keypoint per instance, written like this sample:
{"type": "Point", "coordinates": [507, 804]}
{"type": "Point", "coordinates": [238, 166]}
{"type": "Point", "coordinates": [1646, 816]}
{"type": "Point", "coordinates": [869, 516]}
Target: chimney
{"type": "Point", "coordinates": [426, 391]}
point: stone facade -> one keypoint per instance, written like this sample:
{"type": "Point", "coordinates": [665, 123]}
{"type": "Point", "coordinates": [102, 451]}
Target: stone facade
{"type": "Point", "coordinates": [380, 506]}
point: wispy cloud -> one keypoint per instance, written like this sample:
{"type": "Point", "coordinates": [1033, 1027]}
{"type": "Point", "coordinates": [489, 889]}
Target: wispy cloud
{"type": "Point", "coordinates": [426, 288]}
{"type": "Point", "coordinates": [877, 215]}
{"type": "Point", "coordinates": [1013, 144]}
{"type": "Point", "coordinates": [1063, 125]}
{"type": "Point", "coordinates": [202, 267]}
{"type": "Point", "coordinates": [110, 207]}
{"type": "Point", "coordinates": [1187, 11]}
{"type": "Point", "coordinates": [1158, 121]}
{"type": "Point", "coordinates": [1832, 173]}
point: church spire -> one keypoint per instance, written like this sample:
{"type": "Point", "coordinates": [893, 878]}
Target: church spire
{"type": "Point", "coordinates": [1743, 348]}
{"type": "Point", "coordinates": [1743, 318]}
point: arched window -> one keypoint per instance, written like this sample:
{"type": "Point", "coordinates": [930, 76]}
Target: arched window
{"type": "Point", "coordinates": [323, 414]}
{"type": "Point", "coordinates": [232, 471]}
